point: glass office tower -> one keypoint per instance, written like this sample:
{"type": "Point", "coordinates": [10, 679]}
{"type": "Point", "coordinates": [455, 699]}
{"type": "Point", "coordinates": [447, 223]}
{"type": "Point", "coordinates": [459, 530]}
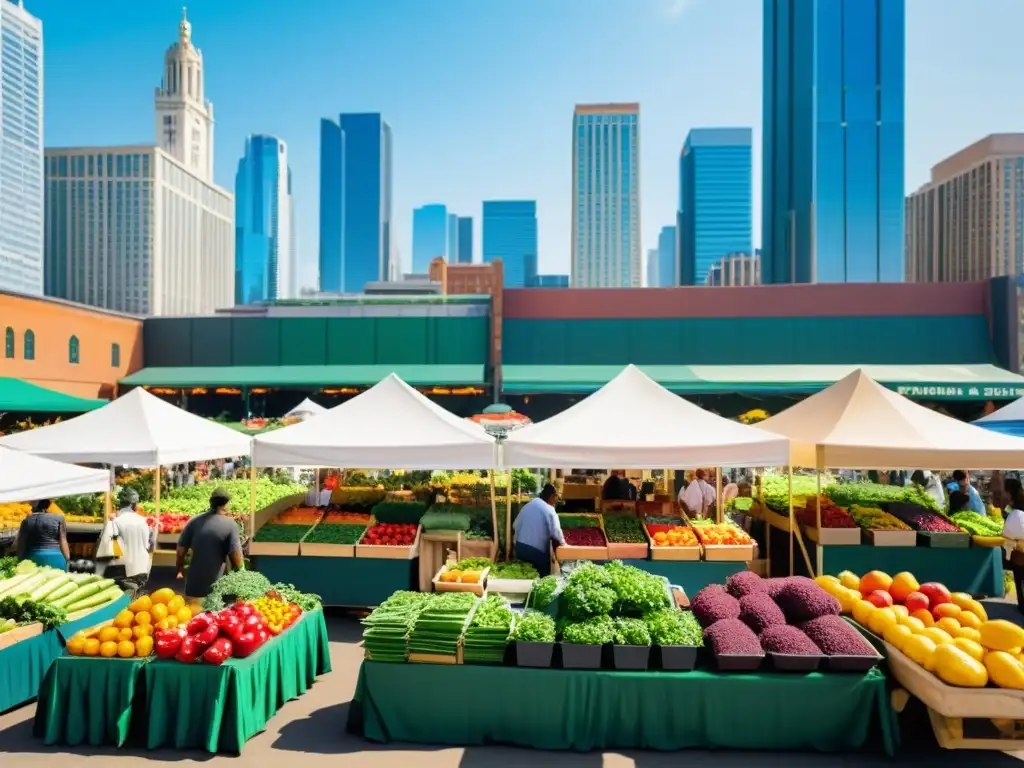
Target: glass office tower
{"type": "Point", "coordinates": [429, 236]}
{"type": "Point", "coordinates": [465, 254]}
{"type": "Point", "coordinates": [510, 234]}
{"type": "Point", "coordinates": [833, 141]}
{"type": "Point", "coordinates": [715, 199]}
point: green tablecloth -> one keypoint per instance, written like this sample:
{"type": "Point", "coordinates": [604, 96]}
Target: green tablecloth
{"type": "Point", "coordinates": [23, 665]}
{"type": "Point", "coordinates": [219, 708]}
{"type": "Point", "coordinates": [691, 576]}
{"type": "Point", "coordinates": [581, 710]}
{"type": "Point", "coordinates": [342, 581]}
{"type": "Point", "coordinates": [87, 701]}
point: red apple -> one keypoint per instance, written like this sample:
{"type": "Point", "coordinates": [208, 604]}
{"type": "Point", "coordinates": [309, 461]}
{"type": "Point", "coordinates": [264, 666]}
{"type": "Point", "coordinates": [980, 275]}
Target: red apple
{"type": "Point", "coordinates": [917, 601]}
{"type": "Point", "coordinates": [936, 593]}
{"type": "Point", "coordinates": [880, 598]}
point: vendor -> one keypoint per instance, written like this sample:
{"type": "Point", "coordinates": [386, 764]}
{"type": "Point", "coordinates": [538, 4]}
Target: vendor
{"type": "Point", "coordinates": [43, 537]}
{"type": "Point", "coordinates": [698, 498]}
{"type": "Point", "coordinates": [617, 487]}
{"type": "Point", "coordinates": [930, 484]}
{"type": "Point", "coordinates": [535, 528]}
{"type": "Point", "coordinates": [962, 482]}
{"type": "Point", "coordinates": [213, 539]}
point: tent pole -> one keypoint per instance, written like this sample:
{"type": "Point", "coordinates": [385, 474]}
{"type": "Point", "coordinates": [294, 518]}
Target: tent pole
{"type": "Point", "coordinates": [719, 504]}
{"type": "Point", "coordinates": [494, 507]}
{"type": "Point", "coordinates": [108, 502]}
{"type": "Point", "coordinates": [820, 552]}
{"type": "Point", "coordinates": [759, 479]}
{"type": "Point", "coordinates": [156, 490]}
{"type": "Point", "coordinates": [792, 526]}
{"type": "Point", "coordinates": [252, 500]}
{"type": "Point", "coordinates": [508, 521]}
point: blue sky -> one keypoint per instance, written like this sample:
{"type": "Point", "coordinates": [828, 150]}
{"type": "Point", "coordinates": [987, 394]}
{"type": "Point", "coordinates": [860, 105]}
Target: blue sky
{"type": "Point", "coordinates": [479, 93]}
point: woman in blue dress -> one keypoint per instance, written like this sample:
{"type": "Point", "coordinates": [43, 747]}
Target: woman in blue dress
{"type": "Point", "coordinates": [43, 537]}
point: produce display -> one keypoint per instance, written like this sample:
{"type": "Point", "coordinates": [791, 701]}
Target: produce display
{"type": "Point", "coordinates": [731, 637]}
{"type": "Point", "coordinates": [920, 519]}
{"type": "Point", "coordinates": [676, 535]}
{"type": "Point", "coordinates": [514, 569]}
{"type": "Point", "coordinates": [545, 591]}
{"type": "Point", "coordinates": [132, 633]}
{"type": "Point", "coordinates": [48, 595]}
{"type": "Point", "coordinates": [977, 525]}
{"type": "Point", "coordinates": [831, 515]}
{"type": "Point", "coordinates": [775, 490]}
{"type": "Point", "coordinates": [346, 518]}
{"type": "Point", "coordinates": [663, 520]}
{"type": "Point", "coordinates": [534, 627]}
{"type": "Point", "coordinates": [486, 637]}
{"type": "Point", "coordinates": [584, 537]}
{"type": "Point", "coordinates": [712, 604]}
{"type": "Point", "coordinates": [399, 512]}
{"type": "Point", "coordinates": [388, 625]}
{"type": "Point", "coordinates": [875, 519]}
{"type": "Point", "coordinates": [847, 495]}
{"type": "Point", "coordinates": [446, 517]}
{"type": "Point", "coordinates": [787, 639]}
{"type": "Point", "coordinates": [669, 626]}
{"type": "Point", "coordinates": [390, 534]}
{"type": "Point", "coordinates": [469, 570]}
{"type": "Point", "coordinates": [759, 612]}
{"type": "Point", "coordinates": [358, 498]}
{"type": "Point", "coordinates": [745, 583]}
{"type": "Point", "coordinates": [276, 612]}
{"type": "Point", "coordinates": [579, 521]}
{"type": "Point", "coordinates": [630, 631]}
{"type": "Point", "coordinates": [12, 513]}
{"type": "Point", "coordinates": [332, 533]}
{"type": "Point", "coordinates": [248, 586]}
{"type": "Point", "coordinates": [721, 534]}
{"type": "Point", "coordinates": [596, 630]}
{"type": "Point", "coordinates": [439, 625]}
{"type": "Point", "coordinates": [305, 516]}
{"type": "Point", "coordinates": [283, 533]}
{"type": "Point", "coordinates": [191, 500]}
{"type": "Point", "coordinates": [624, 529]}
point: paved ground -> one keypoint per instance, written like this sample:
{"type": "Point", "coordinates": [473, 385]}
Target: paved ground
{"type": "Point", "coordinates": [312, 730]}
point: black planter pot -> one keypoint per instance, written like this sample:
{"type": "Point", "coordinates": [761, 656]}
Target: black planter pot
{"type": "Point", "coordinates": [534, 654]}
{"type": "Point", "coordinates": [678, 658]}
{"type": "Point", "coordinates": [632, 657]}
{"type": "Point", "coordinates": [577, 656]}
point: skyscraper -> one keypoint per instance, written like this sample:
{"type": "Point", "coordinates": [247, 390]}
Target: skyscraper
{"type": "Point", "coordinates": [429, 236]}
{"type": "Point", "coordinates": [264, 266]}
{"type": "Point", "coordinates": [452, 253]}
{"type": "Point", "coordinates": [833, 141]}
{"type": "Point", "coordinates": [510, 234]}
{"type": "Point", "coordinates": [715, 199]}
{"type": "Point", "coordinates": [137, 228]}
{"type": "Point", "coordinates": [355, 202]}
{"type": "Point", "coordinates": [967, 222]}
{"type": "Point", "coordinates": [606, 196]}
{"type": "Point", "coordinates": [21, 172]}
{"type": "Point", "coordinates": [465, 255]}
{"type": "Point", "coordinates": [652, 268]}
{"type": "Point", "coordinates": [667, 260]}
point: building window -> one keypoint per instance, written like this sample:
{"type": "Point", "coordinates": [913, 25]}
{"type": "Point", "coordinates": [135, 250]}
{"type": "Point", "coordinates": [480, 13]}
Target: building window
{"type": "Point", "coordinates": [115, 355]}
{"type": "Point", "coordinates": [73, 350]}
{"type": "Point", "coordinates": [9, 343]}
{"type": "Point", "coordinates": [30, 345]}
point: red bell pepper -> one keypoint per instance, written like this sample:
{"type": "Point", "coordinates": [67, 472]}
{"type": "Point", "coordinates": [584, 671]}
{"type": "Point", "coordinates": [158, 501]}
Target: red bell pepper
{"type": "Point", "coordinates": [219, 652]}
{"type": "Point", "coordinates": [207, 635]}
{"type": "Point", "coordinates": [189, 650]}
{"type": "Point", "coordinates": [167, 644]}
{"type": "Point", "coordinates": [200, 622]}
{"type": "Point", "coordinates": [228, 621]}
{"type": "Point", "coordinates": [243, 609]}
{"type": "Point", "coordinates": [245, 643]}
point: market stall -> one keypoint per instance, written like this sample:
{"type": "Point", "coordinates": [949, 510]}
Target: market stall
{"type": "Point", "coordinates": [359, 553]}
{"type": "Point", "coordinates": [1009, 420]}
{"type": "Point", "coordinates": [635, 423]}
{"type": "Point", "coordinates": [210, 682]}
{"type": "Point", "coordinates": [857, 423]}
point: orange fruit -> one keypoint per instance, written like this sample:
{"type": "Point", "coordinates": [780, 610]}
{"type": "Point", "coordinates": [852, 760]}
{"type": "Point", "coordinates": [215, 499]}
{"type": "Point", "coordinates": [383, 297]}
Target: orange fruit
{"type": "Point", "coordinates": [175, 604]}
{"type": "Point", "coordinates": [126, 649]}
{"type": "Point", "coordinates": [163, 624]}
{"type": "Point", "coordinates": [92, 647]}
{"type": "Point", "coordinates": [163, 596]}
{"type": "Point", "coordinates": [968, 619]}
{"type": "Point", "coordinates": [913, 623]}
{"type": "Point", "coordinates": [108, 633]}
{"type": "Point", "coordinates": [108, 650]}
{"type": "Point", "coordinates": [949, 626]}
{"type": "Point", "coordinates": [143, 618]}
{"type": "Point", "coordinates": [158, 612]}
{"type": "Point", "coordinates": [184, 616]}
{"type": "Point", "coordinates": [873, 580]}
{"type": "Point", "coordinates": [143, 647]}
{"type": "Point", "coordinates": [901, 611]}
{"type": "Point", "coordinates": [76, 645]}
{"type": "Point", "coordinates": [172, 622]}
{"type": "Point", "coordinates": [124, 619]}
{"type": "Point", "coordinates": [141, 604]}
{"type": "Point", "coordinates": [937, 636]}
{"type": "Point", "coordinates": [925, 617]}
{"type": "Point", "coordinates": [947, 610]}
{"type": "Point", "coordinates": [145, 630]}
{"type": "Point", "coordinates": [902, 585]}
{"type": "Point", "coordinates": [125, 634]}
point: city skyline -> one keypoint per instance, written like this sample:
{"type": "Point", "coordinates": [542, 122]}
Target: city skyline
{"type": "Point", "coordinates": [490, 155]}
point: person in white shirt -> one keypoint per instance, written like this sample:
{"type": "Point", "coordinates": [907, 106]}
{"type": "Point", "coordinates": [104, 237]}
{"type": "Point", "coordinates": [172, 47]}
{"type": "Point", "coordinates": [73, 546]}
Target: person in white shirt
{"type": "Point", "coordinates": [698, 497]}
{"type": "Point", "coordinates": [135, 537]}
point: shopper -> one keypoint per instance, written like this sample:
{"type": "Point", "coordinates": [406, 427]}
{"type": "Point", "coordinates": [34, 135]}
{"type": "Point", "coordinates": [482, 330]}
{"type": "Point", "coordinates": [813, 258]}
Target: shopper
{"type": "Point", "coordinates": [931, 485]}
{"type": "Point", "coordinates": [698, 498]}
{"type": "Point", "coordinates": [213, 539]}
{"type": "Point", "coordinates": [135, 540]}
{"type": "Point", "coordinates": [535, 528]}
{"type": "Point", "coordinates": [43, 537]}
{"type": "Point", "coordinates": [617, 487]}
{"type": "Point", "coordinates": [962, 482]}
{"type": "Point", "coordinates": [1013, 540]}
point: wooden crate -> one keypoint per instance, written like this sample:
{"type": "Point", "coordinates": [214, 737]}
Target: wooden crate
{"type": "Point", "coordinates": [274, 548]}
{"type": "Point", "coordinates": [168, 538]}
{"type": "Point", "coordinates": [833, 537]}
{"type": "Point", "coordinates": [567, 553]}
{"type": "Point", "coordinates": [509, 586]}
{"type": "Point", "coordinates": [581, 492]}
{"type": "Point", "coordinates": [627, 551]}
{"type": "Point", "coordinates": [892, 538]}
{"type": "Point", "coordinates": [728, 553]}
{"type": "Point", "coordinates": [16, 635]}
{"type": "Point", "coordinates": [477, 589]}
{"type": "Point", "coordinates": [315, 549]}
{"type": "Point", "coordinates": [691, 554]}
{"type": "Point", "coordinates": [995, 734]}
{"type": "Point", "coordinates": [379, 552]}
{"type": "Point", "coordinates": [943, 540]}
{"type": "Point", "coordinates": [266, 516]}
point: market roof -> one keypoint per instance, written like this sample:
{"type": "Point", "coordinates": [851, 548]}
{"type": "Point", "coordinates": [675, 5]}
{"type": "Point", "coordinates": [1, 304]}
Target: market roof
{"type": "Point", "coordinates": [934, 382]}
{"type": "Point", "coordinates": [1008, 420]}
{"type": "Point", "coordinates": [303, 375]}
{"type": "Point", "coordinates": [634, 423]}
{"type": "Point", "coordinates": [137, 430]}
{"type": "Point", "coordinates": [19, 395]}
{"type": "Point", "coordinates": [389, 426]}
{"type": "Point", "coordinates": [307, 407]}
{"type": "Point", "coordinates": [24, 477]}
{"type": "Point", "coordinates": [859, 424]}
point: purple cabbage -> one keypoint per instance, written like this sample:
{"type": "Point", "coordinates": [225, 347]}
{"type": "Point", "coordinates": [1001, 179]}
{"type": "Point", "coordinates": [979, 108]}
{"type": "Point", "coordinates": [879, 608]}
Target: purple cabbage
{"type": "Point", "coordinates": [789, 640]}
{"type": "Point", "coordinates": [744, 583]}
{"type": "Point", "coordinates": [758, 611]}
{"type": "Point", "coordinates": [835, 637]}
{"type": "Point", "coordinates": [731, 637]}
{"type": "Point", "coordinates": [712, 604]}
{"type": "Point", "coordinates": [804, 600]}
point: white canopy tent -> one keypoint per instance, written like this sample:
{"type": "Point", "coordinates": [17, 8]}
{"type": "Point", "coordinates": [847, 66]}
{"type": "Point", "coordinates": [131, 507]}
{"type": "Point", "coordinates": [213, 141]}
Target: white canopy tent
{"type": "Point", "coordinates": [858, 424]}
{"type": "Point", "coordinates": [390, 425]}
{"type": "Point", "coordinates": [633, 422]}
{"type": "Point", "coordinates": [306, 409]}
{"type": "Point", "coordinates": [137, 430]}
{"type": "Point", "coordinates": [1009, 419]}
{"type": "Point", "coordinates": [24, 477]}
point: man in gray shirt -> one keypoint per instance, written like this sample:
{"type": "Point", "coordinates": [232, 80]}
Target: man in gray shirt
{"type": "Point", "coordinates": [213, 538]}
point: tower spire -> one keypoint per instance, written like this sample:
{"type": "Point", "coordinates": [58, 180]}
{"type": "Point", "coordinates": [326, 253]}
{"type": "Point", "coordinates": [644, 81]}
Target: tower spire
{"type": "Point", "coordinates": [184, 27]}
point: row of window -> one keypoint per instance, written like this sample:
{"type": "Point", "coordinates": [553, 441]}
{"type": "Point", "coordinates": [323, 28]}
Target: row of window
{"type": "Point", "coordinates": [29, 348]}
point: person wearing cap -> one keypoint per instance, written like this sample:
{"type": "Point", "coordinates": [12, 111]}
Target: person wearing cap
{"type": "Point", "coordinates": [43, 537]}
{"type": "Point", "coordinates": [135, 539]}
{"type": "Point", "coordinates": [213, 539]}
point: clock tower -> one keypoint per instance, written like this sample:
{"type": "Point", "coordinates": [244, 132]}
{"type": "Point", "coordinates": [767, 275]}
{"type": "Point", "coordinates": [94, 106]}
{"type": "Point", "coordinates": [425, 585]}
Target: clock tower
{"type": "Point", "coordinates": [184, 119]}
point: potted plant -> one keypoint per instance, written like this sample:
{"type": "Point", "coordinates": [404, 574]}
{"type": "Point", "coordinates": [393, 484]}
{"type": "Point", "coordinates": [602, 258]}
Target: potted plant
{"type": "Point", "coordinates": [677, 636]}
{"type": "Point", "coordinates": [534, 636]}
{"type": "Point", "coordinates": [632, 647]}
{"type": "Point", "coordinates": [582, 642]}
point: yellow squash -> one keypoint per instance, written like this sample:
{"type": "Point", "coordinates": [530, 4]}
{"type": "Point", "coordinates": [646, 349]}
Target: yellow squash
{"type": "Point", "coordinates": [955, 667]}
{"type": "Point", "coordinates": [1001, 635]}
{"type": "Point", "coordinates": [1005, 670]}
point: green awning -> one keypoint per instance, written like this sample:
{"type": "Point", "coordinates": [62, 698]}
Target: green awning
{"type": "Point", "coordinates": [927, 382]}
{"type": "Point", "coordinates": [305, 376]}
{"type": "Point", "coordinates": [18, 395]}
